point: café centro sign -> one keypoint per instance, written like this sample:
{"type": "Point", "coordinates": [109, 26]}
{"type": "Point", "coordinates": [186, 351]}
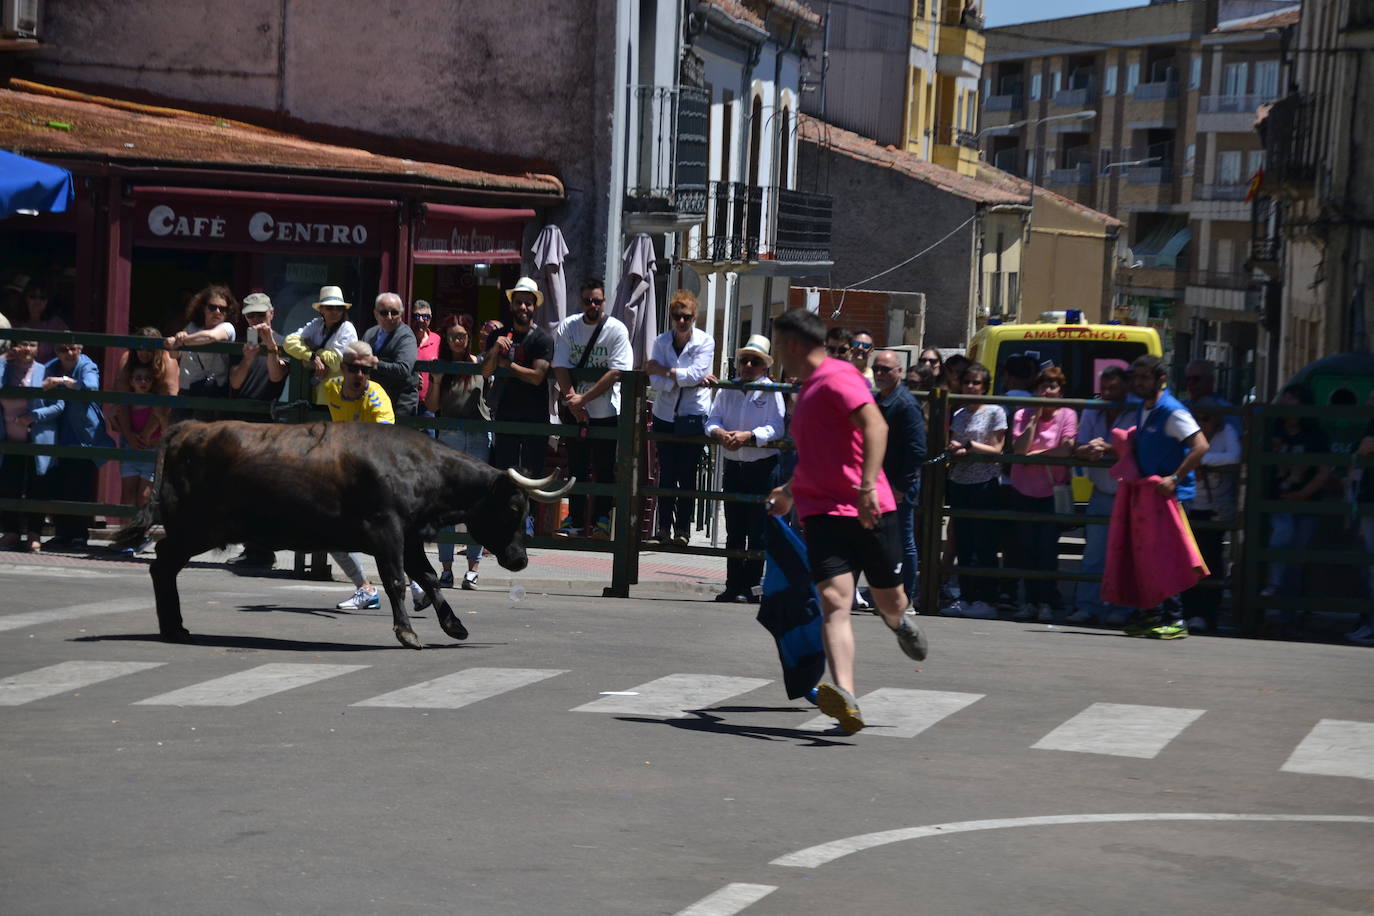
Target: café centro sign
{"type": "Point", "coordinates": [245, 226]}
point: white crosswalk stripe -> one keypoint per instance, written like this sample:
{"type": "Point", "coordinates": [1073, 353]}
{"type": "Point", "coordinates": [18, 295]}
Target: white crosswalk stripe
{"type": "Point", "coordinates": [1335, 747]}
{"type": "Point", "coordinates": [246, 686]}
{"type": "Point", "coordinates": [75, 612]}
{"type": "Point", "coordinates": [463, 688]}
{"type": "Point", "coordinates": [19, 689]}
{"type": "Point", "coordinates": [896, 713]}
{"type": "Point", "coordinates": [672, 696]}
{"type": "Point", "coordinates": [1120, 730]}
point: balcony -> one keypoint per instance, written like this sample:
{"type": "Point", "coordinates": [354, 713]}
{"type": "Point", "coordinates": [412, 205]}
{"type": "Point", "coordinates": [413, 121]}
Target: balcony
{"type": "Point", "coordinates": [1075, 98]}
{"type": "Point", "coordinates": [1289, 147]}
{"type": "Point", "coordinates": [752, 224]}
{"type": "Point", "coordinates": [1232, 191]}
{"type": "Point", "coordinates": [960, 52]}
{"type": "Point", "coordinates": [1150, 174]}
{"type": "Point", "coordinates": [1221, 279]}
{"type": "Point", "coordinates": [1155, 92]}
{"type": "Point", "coordinates": [1214, 289]}
{"type": "Point", "coordinates": [1228, 114]}
{"type": "Point", "coordinates": [666, 185]}
{"type": "Point", "coordinates": [1077, 175]}
{"type": "Point", "coordinates": [1010, 102]}
{"type": "Point", "coordinates": [955, 148]}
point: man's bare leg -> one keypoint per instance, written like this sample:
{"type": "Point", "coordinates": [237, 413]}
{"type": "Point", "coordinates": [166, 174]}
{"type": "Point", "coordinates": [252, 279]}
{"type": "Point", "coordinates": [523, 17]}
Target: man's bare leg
{"type": "Point", "coordinates": [837, 597]}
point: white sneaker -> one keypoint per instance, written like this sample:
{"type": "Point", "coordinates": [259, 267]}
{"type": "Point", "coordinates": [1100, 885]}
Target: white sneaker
{"type": "Point", "coordinates": [1197, 625]}
{"type": "Point", "coordinates": [470, 580]}
{"type": "Point", "coordinates": [1081, 617]}
{"type": "Point", "coordinates": [416, 592]}
{"type": "Point", "coordinates": [955, 608]}
{"type": "Point", "coordinates": [360, 601]}
{"type": "Point", "coordinates": [1044, 613]}
{"type": "Point", "coordinates": [1024, 613]}
{"type": "Point", "coordinates": [981, 610]}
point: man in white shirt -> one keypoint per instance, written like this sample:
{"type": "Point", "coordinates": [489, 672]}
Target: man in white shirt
{"type": "Point", "coordinates": [680, 372]}
{"type": "Point", "coordinates": [591, 340]}
{"type": "Point", "coordinates": [743, 422]}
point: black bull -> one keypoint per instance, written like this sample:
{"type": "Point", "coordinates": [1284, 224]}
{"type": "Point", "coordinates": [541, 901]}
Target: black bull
{"type": "Point", "coordinates": [366, 487]}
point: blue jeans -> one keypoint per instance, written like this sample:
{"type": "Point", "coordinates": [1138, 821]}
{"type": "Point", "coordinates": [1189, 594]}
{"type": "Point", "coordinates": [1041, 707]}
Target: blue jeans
{"type": "Point", "coordinates": [478, 445]}
{"type": "Point", "coordinates": [906, 527]}
{"type": "Point", "coordinates": [1289, 532]}
{"type": "Point", "coordinates": [1088, 595]}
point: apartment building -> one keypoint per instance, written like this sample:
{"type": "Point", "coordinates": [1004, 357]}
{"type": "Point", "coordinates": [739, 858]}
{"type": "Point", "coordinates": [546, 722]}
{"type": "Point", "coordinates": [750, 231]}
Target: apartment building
{"type": "Point", "coordinates": [905, 73]}
{"type": "Point", "coordinates": [1313, 218]}
{"type": "Point", "coordinates": [1145, 113]}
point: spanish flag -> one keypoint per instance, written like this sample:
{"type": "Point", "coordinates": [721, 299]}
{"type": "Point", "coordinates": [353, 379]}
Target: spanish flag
{"type": "Point", "coordinates": [1256, 181]}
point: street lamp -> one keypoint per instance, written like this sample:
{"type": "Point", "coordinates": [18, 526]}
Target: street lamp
{"type": "Point", "coordinates": [1126, 165]}
{"type": "Point", "coordinates": [1084, 115]}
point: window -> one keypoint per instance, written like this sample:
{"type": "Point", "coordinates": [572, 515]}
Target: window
{"type": "Point", "coordinates": [958, 117]}
{"type": "Point", "coordinates": [1132, 77]}
{"type": "Point", "coordinates": [1189, 155]}
{"type": "Point", "coordinates": [1254, 162]}
{"type": "Point", "coordinates": [1030, 166]}
{"type": "Point", "coordinates": [1235, 79]}
{"type": "Point", "coordinates": [993, 292]}
{"type": "Point", "coordinates": [1267, 79]}
{"type": "Point", "coordinates": [1195, 72]}
{"type": "Point", "coordinates": [1050, 157]}
{"type": "Point", "coordinates": [1056, 82]}
{"type": "Point", "coordinates": [971, 114]}
{"type": "Point", "coordinates": [1035, 87]}
{"type": "Point", "coordinates": [1109, 81]}
{"type": "Point", "coordinates": [1013, 291]}
{"type": "Point", "coordinates": [987, 87]}
{"type": "Point", "coordinates": [1228, 167]}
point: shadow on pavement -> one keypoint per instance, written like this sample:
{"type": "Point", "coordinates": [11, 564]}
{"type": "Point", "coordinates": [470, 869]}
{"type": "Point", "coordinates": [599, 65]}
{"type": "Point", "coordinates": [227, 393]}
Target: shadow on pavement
{"type": "Point", "coordinates": [704, 721]}
{"type": "Point", "coordinates": [267, 643]}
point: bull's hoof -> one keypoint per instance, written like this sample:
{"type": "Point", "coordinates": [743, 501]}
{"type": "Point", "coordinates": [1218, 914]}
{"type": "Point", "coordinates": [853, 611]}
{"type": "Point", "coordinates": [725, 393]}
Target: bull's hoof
{"type": "Point", "coordinates": [180, 634]}
{"type": "Point", "coordinates": [453, 627]}
{"type": "Point", "coordinates": [407, 638]}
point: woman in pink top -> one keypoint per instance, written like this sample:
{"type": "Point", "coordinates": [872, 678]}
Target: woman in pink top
{"type": "Point", "coordinates": [1048, 431]}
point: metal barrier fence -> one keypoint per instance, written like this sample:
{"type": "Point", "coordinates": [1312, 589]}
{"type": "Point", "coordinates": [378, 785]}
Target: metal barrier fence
{"type": "Point", "coordinates": [1249, 543]}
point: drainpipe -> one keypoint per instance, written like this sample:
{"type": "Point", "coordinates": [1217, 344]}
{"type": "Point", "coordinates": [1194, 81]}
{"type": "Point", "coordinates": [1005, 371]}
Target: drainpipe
{"type": "Point", "coordinates": [621, 83]}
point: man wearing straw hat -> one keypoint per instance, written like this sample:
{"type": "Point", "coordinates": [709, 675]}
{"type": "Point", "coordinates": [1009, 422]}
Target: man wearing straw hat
{"type": "Point", "coordinates": [744, 422]}
{"type": "Point", "coordinates": [523, 397]}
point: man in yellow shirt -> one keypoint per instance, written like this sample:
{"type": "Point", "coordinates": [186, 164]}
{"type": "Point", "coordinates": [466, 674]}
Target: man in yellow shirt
{"type": "Point", "coordinates": [353, 396]}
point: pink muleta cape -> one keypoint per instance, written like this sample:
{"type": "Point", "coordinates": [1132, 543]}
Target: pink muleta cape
{"type": "Point", "coordinates": [1151, 553]}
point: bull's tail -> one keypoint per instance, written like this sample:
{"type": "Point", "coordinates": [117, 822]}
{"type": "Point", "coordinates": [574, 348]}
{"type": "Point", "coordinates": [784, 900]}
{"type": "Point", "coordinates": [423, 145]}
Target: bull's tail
{"type": "Point", "coordinates": [135, 531]}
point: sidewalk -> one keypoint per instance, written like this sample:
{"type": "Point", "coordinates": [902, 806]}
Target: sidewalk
{"type": "Point", "coordinates": [549, 570]}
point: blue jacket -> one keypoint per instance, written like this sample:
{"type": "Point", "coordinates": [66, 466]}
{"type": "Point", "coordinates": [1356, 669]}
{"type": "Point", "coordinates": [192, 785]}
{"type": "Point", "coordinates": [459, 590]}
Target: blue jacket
{"type": "Point", "coordinates": [81, 422]}
{"type": "Point", "coordinates": [1156, 452]}
{"type": "Point", "coordinates": [906, 440]}
{"type": "Point", "coordinates": [45, 417]}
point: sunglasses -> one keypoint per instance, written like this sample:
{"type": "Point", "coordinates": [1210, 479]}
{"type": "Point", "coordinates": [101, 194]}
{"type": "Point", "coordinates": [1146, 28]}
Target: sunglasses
{"type": "Point", "coordinates": [589, 300]}
{"type": "Point", "coordinates": [335, 308]}
{"type": "Point", "coordinates": [421, 316]}
{"type": "Point", "coordinates": [837, 351]}
{"type": "Point", "coordinates": [392, 313]}
{"type": "Point", "coordinates": [860, 346]}
{"type": "Point", "coordinates": [684, 317]}
{"type": "Point", "coordinates": [753, 361]}
{"type": "Point", "coordinates": [358, 367]}
{"type": "Point", "coordinates": [457, 338]}
{"type": "Point", "coordinates": [211, 307]}
{"type": "Point", "coordinates": [933, 360]}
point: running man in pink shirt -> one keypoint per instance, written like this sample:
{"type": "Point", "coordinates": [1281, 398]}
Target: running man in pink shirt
{"type": "Point", "coordinates": [844, 502]}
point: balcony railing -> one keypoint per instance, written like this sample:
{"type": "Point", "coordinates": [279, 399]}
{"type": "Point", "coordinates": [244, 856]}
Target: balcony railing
{"type": "Point", "coordinates": [1231, 104]}
{"type": "Point", "coordinates": [670, 150]}
{"type": "Point", "coordinates": [1150, 174]}
{"type": "Point", "coordinates": [948, 135]}
{"type": "Point", "coordinates": [1230, 191]}
{"type": "Point", "coordinates": [751, 223]}
{"type": "Point", "coordinates": [1075, 98]}
{"type": "Point", "coordinates": [1151, 92]}
{"type": "Point", "coordinates": [1289, 143]}
{"type": "Point", "coordinates": [1010, 102]}
{"type": "Point", "coordinates": [1222, 279]}
{"type": "Point", "coordinates": [1078, 174]}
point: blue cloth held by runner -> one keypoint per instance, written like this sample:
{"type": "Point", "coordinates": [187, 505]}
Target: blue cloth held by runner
{"type": "Point", "coordinates": [790, 609]}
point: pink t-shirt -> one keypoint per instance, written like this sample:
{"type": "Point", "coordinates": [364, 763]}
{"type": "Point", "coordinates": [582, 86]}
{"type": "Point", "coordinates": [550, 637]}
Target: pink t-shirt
{"type": "Point", "coordinates": [427, 350]}
{"type": "Point", "coordinates": [830, 450]}
{"type": "Point", "coordinates": [1038, 479]}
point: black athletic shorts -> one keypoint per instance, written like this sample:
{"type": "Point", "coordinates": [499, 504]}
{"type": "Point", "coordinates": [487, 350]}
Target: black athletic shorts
{"type": "Point", "coordinates": [837, 544]}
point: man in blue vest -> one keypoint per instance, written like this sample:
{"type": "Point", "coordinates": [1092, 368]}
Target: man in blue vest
{"type": "Point", "coordinates": [1168, 444]}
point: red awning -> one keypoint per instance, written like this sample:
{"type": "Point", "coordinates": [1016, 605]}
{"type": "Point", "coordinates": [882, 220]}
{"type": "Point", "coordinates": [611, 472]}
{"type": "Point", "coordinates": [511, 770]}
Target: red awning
{"type": "Point", "coordinates": [446, 234]}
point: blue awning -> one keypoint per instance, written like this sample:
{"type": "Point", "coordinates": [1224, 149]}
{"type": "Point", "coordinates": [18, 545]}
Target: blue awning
{"type": "Point", "coordinates": [27, 184]}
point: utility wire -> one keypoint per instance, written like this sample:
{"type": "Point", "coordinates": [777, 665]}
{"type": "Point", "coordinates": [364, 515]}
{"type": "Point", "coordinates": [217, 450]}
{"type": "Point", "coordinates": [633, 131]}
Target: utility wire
{"type": "Point", "coordinates": [882, 273]}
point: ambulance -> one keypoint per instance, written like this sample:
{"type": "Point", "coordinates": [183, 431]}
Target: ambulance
{"type": "Point", "coordinates": [1062, 339]}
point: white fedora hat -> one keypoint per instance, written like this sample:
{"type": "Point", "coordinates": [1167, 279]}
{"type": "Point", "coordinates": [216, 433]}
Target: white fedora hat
{"type": "Point", "coordinates": [757, 345]}
{"type": "Point", "coordinates": [526, 285]}
{"type": "Point", "coordinates": [331, 295]}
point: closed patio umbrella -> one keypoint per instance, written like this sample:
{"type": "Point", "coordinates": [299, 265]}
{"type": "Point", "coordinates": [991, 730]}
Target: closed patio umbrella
{"type": "Point", "coordinates": [634, 302]}
{"type": "Point", "coordinates": [549, 251]}
{"type": "Point", "coordinates": [32, 186]}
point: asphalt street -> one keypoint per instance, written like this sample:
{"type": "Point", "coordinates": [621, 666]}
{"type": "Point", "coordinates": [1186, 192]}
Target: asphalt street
{"type": "Point", "coordinates": [580, 755]}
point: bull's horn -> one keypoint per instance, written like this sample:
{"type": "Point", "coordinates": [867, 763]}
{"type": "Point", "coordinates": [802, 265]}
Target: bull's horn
{"type": "Point", "coordinates": [530, 483]}
{"type": "Point", "coordinates": [552, 496]}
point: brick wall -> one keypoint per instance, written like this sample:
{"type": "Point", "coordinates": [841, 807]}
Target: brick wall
{"type": "Point", "coordinates": [861, 310]}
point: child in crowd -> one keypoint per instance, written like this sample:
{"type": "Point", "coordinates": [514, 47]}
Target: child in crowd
{"type": "Point", "coordinates": [145, 428]}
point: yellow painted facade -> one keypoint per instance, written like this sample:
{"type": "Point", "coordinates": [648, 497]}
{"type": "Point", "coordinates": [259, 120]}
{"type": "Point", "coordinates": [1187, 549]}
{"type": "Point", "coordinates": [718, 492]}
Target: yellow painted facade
{"type": "Point", "coordinates": [942, 78]}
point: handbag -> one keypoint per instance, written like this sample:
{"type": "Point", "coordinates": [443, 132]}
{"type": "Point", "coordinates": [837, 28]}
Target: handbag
{"type": "Point", "coordinates": [564, 414]}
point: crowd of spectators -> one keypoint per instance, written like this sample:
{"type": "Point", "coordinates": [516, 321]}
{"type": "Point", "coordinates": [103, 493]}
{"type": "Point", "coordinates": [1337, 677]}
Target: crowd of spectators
{"type": "Point", "coordinates": [744, 425]}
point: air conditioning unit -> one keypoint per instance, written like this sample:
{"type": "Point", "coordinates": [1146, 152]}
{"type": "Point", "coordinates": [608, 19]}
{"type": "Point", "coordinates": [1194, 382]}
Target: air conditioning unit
{"type": "Point", "coordinates": [20, 18]}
